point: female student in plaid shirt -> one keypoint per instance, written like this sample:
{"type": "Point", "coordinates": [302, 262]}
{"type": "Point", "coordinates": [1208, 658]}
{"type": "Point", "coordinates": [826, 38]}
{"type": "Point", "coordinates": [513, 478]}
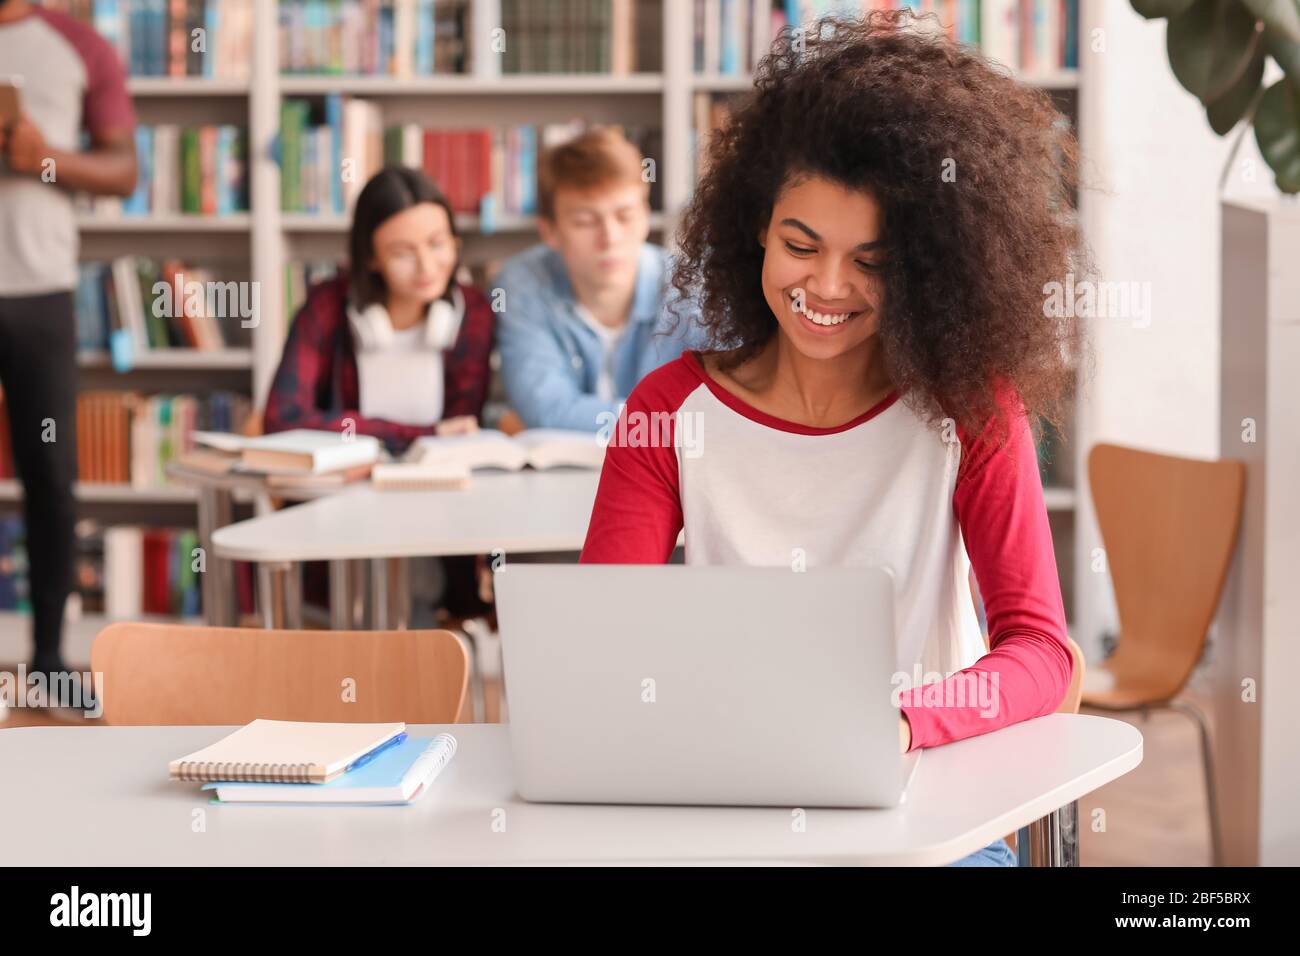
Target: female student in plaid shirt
{"type": "Point", "coordinates": [396, 347]}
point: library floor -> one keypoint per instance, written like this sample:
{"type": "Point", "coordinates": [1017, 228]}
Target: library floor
{"type": "Point", "coordinates": [1155, 815]}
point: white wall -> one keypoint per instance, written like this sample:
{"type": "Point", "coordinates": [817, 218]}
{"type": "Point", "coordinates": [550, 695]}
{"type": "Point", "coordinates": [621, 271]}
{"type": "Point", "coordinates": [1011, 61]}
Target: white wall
{"type": "Point", "coordinates": [1152, 216]}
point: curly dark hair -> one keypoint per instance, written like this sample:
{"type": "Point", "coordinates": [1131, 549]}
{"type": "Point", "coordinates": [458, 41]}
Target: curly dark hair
{"type": "Point", "coordinates": [882, 103]}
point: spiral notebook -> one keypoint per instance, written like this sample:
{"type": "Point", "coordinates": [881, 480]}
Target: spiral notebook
{"type": "Point", "coordinates": [284, 751]}
{"type": "Point", "coordinates": [397, 775]}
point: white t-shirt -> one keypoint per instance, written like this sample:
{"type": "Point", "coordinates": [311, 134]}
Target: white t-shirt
{"type": "Point", "coordinates": [402, 383]}
{"type": "Point", "coordinates": [609, 338]}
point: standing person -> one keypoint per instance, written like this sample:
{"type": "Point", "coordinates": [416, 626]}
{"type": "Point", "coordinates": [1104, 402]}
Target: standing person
{"type": "Point", "coordinates": [587, 311]}
{"type": "Point", "coordinates": [69, 80]}
{"type": "Point", "coordinates": [887, 345]}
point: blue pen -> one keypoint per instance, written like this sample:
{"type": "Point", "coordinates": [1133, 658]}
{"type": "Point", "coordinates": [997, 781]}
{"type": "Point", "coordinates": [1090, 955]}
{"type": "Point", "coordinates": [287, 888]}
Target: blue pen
{"type": "Point", "coordinates": [366, 758]}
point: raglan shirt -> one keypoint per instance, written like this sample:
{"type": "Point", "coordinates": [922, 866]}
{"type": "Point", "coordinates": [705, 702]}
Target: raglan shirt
{"type": "Point", "coordinates": [71, 79]}
{"type": "Point", "coordinates": [885, 489]}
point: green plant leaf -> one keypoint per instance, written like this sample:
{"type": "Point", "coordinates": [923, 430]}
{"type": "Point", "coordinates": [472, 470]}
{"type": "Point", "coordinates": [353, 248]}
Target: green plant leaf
{"type": "Point", "coordinates": [1225, 112]}
{"type": "Point", "coordinates": [1277, 131]}
{"type": "Point", "coordinates": [1210, 46]}
{"type": "Point", "coordinates": [1286, 52]}
{"type": "Point", "coordinates": [1154, 9]}
{"type": "Point", "coordinates": [1281, 16]}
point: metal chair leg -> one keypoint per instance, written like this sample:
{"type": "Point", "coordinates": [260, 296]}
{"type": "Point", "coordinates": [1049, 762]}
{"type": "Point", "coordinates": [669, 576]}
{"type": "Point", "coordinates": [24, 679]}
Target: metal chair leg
{"type": "Point", "coordinates": [1207, 758]}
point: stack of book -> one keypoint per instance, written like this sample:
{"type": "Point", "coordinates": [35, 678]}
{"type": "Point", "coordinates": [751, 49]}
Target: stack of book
{"type": "Point", "coordinates": [287, 762]}
{"type": "Point", "coordinates": [161, 304]}
{"type": "Point", "coordinates": [302, 459]}
{"type": "Point", "coordinates": [211, 38]}
{"type": "Point", "coordinates": [399, 38]}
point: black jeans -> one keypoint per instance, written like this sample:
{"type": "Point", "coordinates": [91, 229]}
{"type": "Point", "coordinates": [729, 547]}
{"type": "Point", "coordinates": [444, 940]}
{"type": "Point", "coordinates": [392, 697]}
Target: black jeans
{"type": "Point", "coordinates": [38, 372]}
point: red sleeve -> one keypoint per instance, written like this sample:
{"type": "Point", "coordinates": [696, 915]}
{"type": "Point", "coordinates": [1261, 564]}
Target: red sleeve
{"type": "Point", "coordinates": [638, 510]}
{"type": "Point", "coordinates": [999, 505]}
{"type": "Point", "coordinates": [107, 104]}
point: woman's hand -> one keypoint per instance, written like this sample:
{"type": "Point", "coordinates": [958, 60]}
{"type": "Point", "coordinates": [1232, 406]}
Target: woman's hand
{"type": "Point", "coordinates": [458, 425]}
{"type": "Point", "coordinates": [904, 734]}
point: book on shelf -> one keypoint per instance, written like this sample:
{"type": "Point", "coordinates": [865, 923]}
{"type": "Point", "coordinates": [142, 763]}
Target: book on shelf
{"type": "Point", "coordinates": [729, 37]}
{"type": "Point", "coordinates": [121, 571]}
{"type": "Point", "coordinates": [194, 170]}
{"type": "Point", "coordinates": [7, 472]}
{"type": "Point", "coordinates": [159, 304]}
{"type": "Point", "coordinates": [125, 437]}
{"type": "Point", "coordinates": [174, 38]}
{"type": "Point", "coordinates": [14, 585]}
{"type": "Point", "coordinates": [124, 571]}
{"type": "Point", "coordinates": [616, 37]}
{"type": "Point", "coordinates": [397, 38]}
{"type": "Point", "coordinates": [487, 172]}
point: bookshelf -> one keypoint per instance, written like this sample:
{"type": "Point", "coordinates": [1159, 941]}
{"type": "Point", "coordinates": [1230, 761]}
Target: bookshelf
{"type": "Point", "coordinates": [264, 240]}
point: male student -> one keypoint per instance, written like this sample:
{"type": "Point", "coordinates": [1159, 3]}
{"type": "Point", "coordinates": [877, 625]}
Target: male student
{"type": "Point", "coordinates": [68, 79]}
{"type": "Point", "coordinates": [586, 313]}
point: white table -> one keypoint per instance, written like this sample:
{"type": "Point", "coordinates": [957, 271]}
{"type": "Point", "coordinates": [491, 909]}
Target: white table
{"type": "Point", "coordinates": [512, 511]}
{"type": "Point", "coordinates": [96, 796]}
{"type": "Point", "coordinates": [500, 513]}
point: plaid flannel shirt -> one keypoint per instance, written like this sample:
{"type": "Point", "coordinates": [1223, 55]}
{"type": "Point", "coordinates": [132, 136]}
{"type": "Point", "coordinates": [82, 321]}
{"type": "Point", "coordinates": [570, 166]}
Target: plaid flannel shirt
{"type": "Point", "coordinates": [316, 385]}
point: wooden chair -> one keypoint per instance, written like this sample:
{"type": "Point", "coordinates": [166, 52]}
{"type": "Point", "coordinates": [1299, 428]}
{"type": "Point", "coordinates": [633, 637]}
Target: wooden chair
{"type": "Point", "coordinates": [1169, 526]}
{"type": "Point", "coordinates": [163, 674]}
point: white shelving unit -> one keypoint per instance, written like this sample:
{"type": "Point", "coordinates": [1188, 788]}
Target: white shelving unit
{"type": "Point", "coordinates": [267, 238]}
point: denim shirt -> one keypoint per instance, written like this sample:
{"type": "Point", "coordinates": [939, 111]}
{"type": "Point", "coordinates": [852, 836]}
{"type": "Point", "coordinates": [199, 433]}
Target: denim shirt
{"type": "Point", "coordinates": [550, 358]}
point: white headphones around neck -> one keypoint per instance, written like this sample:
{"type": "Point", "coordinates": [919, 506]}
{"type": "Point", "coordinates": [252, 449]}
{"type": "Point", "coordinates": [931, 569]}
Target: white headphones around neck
{"type": "Point", "coordinates": [372, 330]}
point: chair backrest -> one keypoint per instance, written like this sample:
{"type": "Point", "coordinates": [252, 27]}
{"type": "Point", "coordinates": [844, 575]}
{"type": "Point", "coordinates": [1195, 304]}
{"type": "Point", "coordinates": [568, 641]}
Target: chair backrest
{"type": "Point", "coordinates": [163, 674]}
{"type": "Point", "coordinates": [1169, 526]}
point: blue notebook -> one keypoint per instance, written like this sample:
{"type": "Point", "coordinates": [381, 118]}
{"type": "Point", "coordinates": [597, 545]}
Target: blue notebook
{"type": "Point", "coordinates": [396, 774]}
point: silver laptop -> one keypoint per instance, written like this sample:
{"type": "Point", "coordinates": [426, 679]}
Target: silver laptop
{"type": "Point", "coordinates": [669, 684]}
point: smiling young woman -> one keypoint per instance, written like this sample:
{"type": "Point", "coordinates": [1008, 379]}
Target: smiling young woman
{"type": "Point", "coordinates": [869, 245]}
